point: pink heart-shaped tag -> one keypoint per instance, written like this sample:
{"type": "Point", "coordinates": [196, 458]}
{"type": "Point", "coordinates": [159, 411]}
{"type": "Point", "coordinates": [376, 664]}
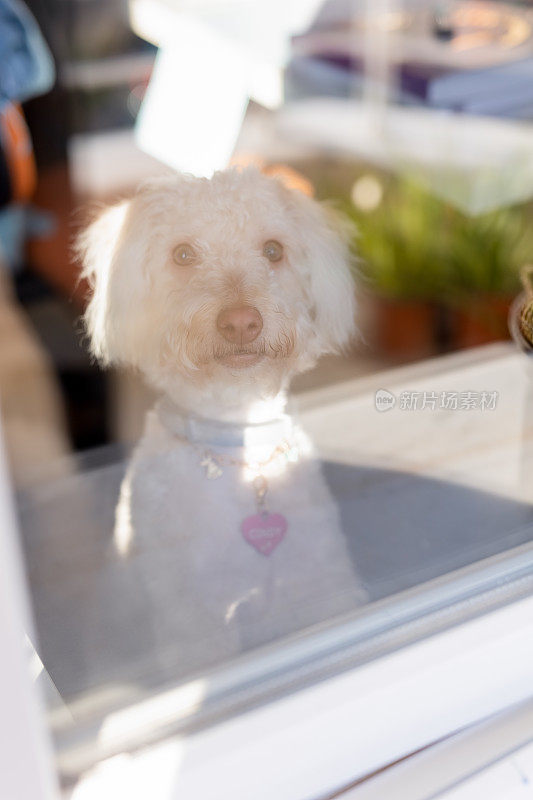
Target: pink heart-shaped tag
{"type": "Point", "coordinates": [264, 531]}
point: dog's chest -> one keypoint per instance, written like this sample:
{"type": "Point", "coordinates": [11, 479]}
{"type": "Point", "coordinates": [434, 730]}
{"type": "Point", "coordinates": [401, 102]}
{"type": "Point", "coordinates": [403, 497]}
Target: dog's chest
{"type": "Point", "coordinates": [198, 545]}
{"type": "Point", "coordinates": [216, 522]}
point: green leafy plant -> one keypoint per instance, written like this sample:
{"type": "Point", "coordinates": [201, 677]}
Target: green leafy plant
{"type": "Point", "coordinates": [414, 245]}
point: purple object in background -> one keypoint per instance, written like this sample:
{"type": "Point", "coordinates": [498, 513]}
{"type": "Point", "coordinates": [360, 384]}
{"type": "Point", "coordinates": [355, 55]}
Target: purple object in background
{"type": "Point", "coordinates": [484, 65]}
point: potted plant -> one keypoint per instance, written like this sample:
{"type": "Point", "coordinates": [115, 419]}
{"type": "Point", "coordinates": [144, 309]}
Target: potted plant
{"type": "Point", "coordinates": [485, 256]}
{"type": "Point", "coordinates": [438, 278]}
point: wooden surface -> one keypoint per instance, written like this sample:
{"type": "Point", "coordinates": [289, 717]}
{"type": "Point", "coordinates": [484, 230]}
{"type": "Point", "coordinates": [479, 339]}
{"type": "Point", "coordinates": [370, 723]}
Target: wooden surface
{"type": "Point", "coordinates": [490, 450]}
{"type": "Point", "coordinates": [33, 419]}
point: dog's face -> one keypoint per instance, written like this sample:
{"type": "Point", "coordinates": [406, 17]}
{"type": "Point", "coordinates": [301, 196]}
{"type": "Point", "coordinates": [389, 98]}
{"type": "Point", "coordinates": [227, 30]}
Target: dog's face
{"type": "Point", "coordinates": [234, 279]}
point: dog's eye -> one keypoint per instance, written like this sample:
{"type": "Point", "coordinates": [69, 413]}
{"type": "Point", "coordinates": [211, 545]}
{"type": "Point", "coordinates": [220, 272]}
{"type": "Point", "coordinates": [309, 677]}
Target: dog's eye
{"type": "Point", "coordinates": [273, 250]}
{"type": "Point", "coordinates": [185, 255]}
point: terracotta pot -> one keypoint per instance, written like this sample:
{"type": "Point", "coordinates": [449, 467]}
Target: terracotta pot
{"type": "Point", "coordinates": [401, 329]}
{"type": "Point", "coordinates": [481, 321]}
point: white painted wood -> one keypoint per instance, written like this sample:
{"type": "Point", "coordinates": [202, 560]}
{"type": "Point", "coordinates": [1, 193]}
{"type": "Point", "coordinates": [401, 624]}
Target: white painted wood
{"type": "Point", "coordinates": [320, 739]}
{"type": "Point", "coordinates": [26, 765]}
{"type": "Point", "coordinates": [459, 761]}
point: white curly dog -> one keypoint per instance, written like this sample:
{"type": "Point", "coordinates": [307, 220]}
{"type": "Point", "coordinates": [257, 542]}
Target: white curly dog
{"type": "Point", "coordinates": [219, 291]}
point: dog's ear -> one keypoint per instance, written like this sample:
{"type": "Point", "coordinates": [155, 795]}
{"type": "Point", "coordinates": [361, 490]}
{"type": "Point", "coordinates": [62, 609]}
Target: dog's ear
{"type": "Point", "coordinates": [328, 239]}
{"type": "Point", "coordinates": [116, 251]}
{"type": "Point", "coordinates": [333, 278]}
{"type": "Point", "coordinates": [96, 248]}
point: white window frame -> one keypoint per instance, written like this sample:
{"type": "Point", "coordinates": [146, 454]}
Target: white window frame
{"type": "Point", "coordinates": [27, 769]}
{"type": "Point", "coordinates": [320, 738]}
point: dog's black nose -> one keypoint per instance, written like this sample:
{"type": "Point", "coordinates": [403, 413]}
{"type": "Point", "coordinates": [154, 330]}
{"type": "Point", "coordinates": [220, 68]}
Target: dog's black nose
{"type": "Point", "coordinates": [240, 325]}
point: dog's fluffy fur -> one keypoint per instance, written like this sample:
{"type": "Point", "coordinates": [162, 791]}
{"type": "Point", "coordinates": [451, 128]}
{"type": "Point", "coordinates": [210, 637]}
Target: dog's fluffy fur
{"type": "Point", "coordinates": [149, 313]}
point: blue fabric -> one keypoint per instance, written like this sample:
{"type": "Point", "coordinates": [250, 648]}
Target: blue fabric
{"type": "Point", "coordinates": [26, 65]}
{"type": "Point", "coordinates": [26, 70]}
{"type": "Point", "coordinates": [17, 223]}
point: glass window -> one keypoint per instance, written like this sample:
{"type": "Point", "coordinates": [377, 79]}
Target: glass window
{"type": "Point", "coordinates": [288, 404]}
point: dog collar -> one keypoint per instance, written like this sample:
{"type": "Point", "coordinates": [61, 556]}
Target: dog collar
{"type": "Point", "coordinates": [263, 530]}
{"type": "Point", "coordinates": [214, 433]}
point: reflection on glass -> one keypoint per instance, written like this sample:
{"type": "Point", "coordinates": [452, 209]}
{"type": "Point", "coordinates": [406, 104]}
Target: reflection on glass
{"type": "Point", "coordinates": [236, 522]}
{"type": "Point", "coordinates": [256, 519]}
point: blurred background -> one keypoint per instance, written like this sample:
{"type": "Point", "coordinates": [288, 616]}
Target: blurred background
{"type": "Point", "coordinates": [414, 118]}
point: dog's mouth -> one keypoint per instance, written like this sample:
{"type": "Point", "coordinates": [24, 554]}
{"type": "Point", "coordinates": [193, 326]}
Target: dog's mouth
{"type": "Point", "coordinates": [240, 359]}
